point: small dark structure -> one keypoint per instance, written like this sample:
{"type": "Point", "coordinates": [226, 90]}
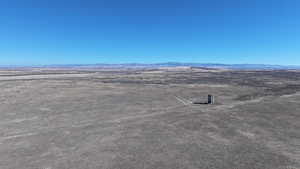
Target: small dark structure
{"type": "Point", "coordinates": [210, 99]}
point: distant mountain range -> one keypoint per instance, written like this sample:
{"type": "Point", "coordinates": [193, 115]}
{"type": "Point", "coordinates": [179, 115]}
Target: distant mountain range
{"type": "Point", "coordinates": [167, 64]}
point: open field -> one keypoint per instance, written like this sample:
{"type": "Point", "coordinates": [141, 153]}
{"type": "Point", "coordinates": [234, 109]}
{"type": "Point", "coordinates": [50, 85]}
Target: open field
{"type": "Point", "coordinates": [141, 119]}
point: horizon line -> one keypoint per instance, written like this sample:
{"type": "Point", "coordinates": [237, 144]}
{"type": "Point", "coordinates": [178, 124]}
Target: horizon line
{"type": "Point", "coordinates": [141, 63]}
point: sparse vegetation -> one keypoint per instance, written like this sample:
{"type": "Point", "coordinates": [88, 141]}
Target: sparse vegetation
{"type": "Point", "coordinates": [95, 118]}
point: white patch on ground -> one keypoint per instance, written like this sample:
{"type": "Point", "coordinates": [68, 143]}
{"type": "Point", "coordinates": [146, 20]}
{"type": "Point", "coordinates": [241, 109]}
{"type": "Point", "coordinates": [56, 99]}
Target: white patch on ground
{"type": "Point", "coordinates": [45, 109]}
{"type": "Point", "coordinates": [183, 100]}
{"type": "Point", "coordinates": [290, 95]}
{"type": "Point", "coordinates": [19, 120]}
{"type": "Point", "coordinates": [16, 136]}
{"type": "Point", "coordinates": [238, 103]}
{"type": "Point", "coordinates": [247, 134]}
{"type": "Point", "coordinates": [218, 138]}
{"type": "Point", "coordinates": [47, 168]}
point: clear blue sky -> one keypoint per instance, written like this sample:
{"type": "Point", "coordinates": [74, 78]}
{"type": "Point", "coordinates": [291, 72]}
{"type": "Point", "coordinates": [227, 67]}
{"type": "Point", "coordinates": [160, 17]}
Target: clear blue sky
{"type": "Point", "coordinates": [148, 31]}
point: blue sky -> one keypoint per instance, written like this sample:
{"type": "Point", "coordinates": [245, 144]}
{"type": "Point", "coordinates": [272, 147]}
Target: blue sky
{"type": "Point", "coordinates": [34, 32]}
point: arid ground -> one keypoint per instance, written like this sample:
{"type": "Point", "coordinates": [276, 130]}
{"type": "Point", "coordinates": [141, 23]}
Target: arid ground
{"type": "Point", "coordinates": [145, 119]}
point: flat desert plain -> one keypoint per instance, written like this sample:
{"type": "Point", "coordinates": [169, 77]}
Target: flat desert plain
{"type": "Point", "coordinates": [145, 119]}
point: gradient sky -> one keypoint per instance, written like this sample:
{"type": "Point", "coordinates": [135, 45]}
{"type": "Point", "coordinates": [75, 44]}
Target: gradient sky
{"type": "Point", "coordinates": [34, 32]}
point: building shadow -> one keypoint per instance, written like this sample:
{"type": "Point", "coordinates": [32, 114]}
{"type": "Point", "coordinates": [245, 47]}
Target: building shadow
{"type": "Point", "coordinates": [200, 103]}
